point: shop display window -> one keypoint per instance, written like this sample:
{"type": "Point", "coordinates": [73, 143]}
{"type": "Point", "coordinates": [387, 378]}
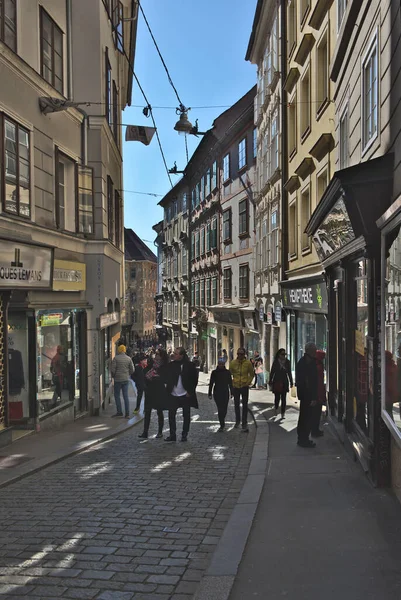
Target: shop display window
{"type": "Point", "coordinates": [18, 375]}
{"type": "Point", "coordinates": [391, 358]}
{"type": "Point", "coordinates": [55, 365]}
{"type": "Point", "coordinates": [361, 347]}
{"type": "Point", "coordinates": [311, 327]}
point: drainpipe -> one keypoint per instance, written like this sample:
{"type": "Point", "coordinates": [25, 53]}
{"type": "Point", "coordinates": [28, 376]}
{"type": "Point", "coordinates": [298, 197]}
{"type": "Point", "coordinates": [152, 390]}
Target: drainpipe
{"type": "Point", "coordinates": [284, 143]}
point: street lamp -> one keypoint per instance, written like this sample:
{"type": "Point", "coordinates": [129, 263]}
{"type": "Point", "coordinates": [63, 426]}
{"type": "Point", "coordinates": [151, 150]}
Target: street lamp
{"type": "Point", "coordinates": [183, 125]}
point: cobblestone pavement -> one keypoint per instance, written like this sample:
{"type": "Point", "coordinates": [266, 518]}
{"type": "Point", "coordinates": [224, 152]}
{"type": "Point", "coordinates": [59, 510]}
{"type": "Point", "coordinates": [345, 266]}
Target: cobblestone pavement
{"type": "Point", "coordinates": [127, 519]}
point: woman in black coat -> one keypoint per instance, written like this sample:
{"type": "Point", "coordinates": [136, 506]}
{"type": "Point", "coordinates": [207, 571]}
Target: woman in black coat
{"type": "Point", "coordinates": [221, 384]}
{"type": "Point", "coordinates": [182, 379]}
{"type": "Point", "coordinates": [155, 392]}
{"type": "Point", "coordinates": [280, 379]}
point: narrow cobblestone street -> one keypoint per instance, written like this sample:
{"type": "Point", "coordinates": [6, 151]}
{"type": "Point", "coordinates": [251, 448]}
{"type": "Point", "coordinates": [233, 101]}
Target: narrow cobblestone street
{"type": "Point", "coordinates": [126, 519]}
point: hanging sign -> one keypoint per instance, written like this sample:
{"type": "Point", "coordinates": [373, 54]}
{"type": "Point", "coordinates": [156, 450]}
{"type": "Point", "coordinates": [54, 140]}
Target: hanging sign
{"type": "Point", "coordinates": [277, 313]}
{"type": "Point", "coordinates": [269, 317]}
{"type": "Point", "coordinates": [261, 313]}
{"type": "Point", "coordinates": [25, 266]}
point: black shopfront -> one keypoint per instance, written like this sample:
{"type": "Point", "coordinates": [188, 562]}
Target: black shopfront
{"type": "Point", "coordinates": [347, 240]}
{"type": "Point", "coordinates": [305, 306]}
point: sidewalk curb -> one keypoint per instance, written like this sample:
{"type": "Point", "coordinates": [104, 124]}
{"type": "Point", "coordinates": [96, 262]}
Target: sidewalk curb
{"type": "Point", "coordinates": [218, 580]}
{"type": "Point", "coordinates": [56, 458]}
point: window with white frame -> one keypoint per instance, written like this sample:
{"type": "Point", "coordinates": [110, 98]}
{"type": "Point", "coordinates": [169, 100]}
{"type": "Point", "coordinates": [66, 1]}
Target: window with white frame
{"type": "Point", "coordinates": [305, 106]}
{"type": "Point", "coordinates": [304, 9]}
{"type": "Point", "coordinates": [65, 172]}
{"type": "Point", "coordinates": [213, 180]}
{"type": "Point", "coordinates": [370, 94]}
{"type": "Point", "coordinates": [292, 229]}
{"type": "Point", "coordinates": [274, 238]}
{"type": "Point", "coordinates": [242, 154]}
{"type": "Point", "coordinates": [226, 167]}
{"type": "Point", "coordinates": [322, 182]}
{"type": "Point", "coordinates": [17, 168]}
{"type": "Point", "coordinates": [292, 26]}
{"type": "Point", "coordinates": [244, 282]}
{"type": "Point", "coordinates": [264, 249]}
{"type": "Point", "coordinates": [274, 144]}
{"type": "Point", "coordinates": [341, 8]}
{"type": "Point", "coordinates": [343, 139]}
{"type": "Point", "coordinates": [305, 216]}
{"type": "Point", "coordinates": [322, 79]}
{"type": "Point", "coordinates": [184, 261]}
{"type": "Point", "coordinates": [8, 23]}
{"type": "Point", "coordinates": [292, 126]}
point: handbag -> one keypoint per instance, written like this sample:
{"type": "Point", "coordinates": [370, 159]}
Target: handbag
{"type": "Point", "coordinates": [278, 387]}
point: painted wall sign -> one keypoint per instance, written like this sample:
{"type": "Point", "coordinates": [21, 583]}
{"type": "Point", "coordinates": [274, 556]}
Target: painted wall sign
{"type": "Point", "coordinates": [25, 266]}
{"type": "Point", "coordinates": [69, 276]}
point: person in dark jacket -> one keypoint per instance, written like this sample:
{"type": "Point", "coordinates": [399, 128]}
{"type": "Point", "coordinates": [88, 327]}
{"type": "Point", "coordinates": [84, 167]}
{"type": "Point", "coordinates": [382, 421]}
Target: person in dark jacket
{"type": "Point", "coordinates": [139, 379]}
{"type": "Point", "coordinates": [321, 395]}
{"type": "Point", "coordinates": [221, 384]}
{"type": "Point", "coordinates": [155, 392]}
{"type": "Point", "coordinates": [306, 377]}
{"type": "Point", "coordinates": [182, 379]}
{"type": "Point", "coordinates": [280, 379]}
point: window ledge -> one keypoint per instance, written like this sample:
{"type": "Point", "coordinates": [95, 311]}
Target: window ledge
{"type": "Point", "coordinates": [292, 257]}
{"type": "Point", "coordinates": [245, 235]}
{"type": "Point", "coordinates": [322, 108]}
{"type": "Point", "coordinates": [306, 251]}
{"type": "Point", "coordinates": [306, 134]}
{"type": "Point", "coordinates": [242, 169]}
{"type": "Point", "coordinates": [227, 181]}
{"type": "Point", "coordinates": [292, 154]}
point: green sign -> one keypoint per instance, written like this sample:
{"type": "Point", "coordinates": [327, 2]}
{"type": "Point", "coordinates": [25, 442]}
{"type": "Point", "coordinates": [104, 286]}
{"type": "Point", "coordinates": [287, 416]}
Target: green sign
{"type": "Point", "coordinates": [204, 336]}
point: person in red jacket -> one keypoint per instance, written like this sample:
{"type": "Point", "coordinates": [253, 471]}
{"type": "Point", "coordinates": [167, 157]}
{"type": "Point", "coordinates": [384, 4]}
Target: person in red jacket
{"type": "Point", "coordinates": [321, 395]}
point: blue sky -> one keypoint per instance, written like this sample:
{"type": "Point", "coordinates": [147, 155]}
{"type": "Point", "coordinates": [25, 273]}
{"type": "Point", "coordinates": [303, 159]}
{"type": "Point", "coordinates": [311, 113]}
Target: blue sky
{"type": "Point", "coordinates": [204, 45]}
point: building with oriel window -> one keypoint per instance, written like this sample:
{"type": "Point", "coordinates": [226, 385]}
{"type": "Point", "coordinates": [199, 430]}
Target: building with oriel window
{"type": "Point", "coordinates": [61, 204]}
{"type": "Point", "coordinates": [355, 231]}
{"type": "Point", "coordinates": [264, 50]}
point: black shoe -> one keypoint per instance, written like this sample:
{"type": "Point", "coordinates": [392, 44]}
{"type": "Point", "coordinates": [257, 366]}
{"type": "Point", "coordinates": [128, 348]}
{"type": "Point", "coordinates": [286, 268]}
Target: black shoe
{"type": "Point", "coordinates": [184, 437]}
{"type": "Point", "coordinates": [170, 438]}
{"type": "Point", "coordinates": [317, 433]}
{"type": "Point", "coordinates": [245, 429]}
{"type": "Point", "coordinates": [117, 415]}
{"type": "Point", "coordinates": [307, 444]}
{"type": "Point", "coordinates": [237, 424]}
{"type": "Point", "coordinates": [221, 428]}
{"type": "Point", "coordinates": [159, 435]}
{"type": "Point", "coordinates": [143, 436]}
{"type": "Point", "coordinates": [283, 415]}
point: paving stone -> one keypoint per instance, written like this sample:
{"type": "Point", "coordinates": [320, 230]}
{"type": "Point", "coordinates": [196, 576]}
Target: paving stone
{"type": "Point", "coordinates": [102, 538]}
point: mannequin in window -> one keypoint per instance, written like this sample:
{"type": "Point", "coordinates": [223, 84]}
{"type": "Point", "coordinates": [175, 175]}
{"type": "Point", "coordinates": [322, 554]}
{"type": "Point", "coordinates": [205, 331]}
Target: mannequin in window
{"type": "Point", "coordinates": [58, 369]}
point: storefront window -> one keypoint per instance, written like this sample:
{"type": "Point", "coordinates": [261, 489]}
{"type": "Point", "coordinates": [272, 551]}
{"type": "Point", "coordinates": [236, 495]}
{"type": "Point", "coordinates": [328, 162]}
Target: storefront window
{"type": "Point", "coordinates": [392, 352]}
{"type": "Point", "coordinates": [311, 327]}
{"type": "Point", "coordinates": [18, 376]}
{"type": "Point", "coordinates": [55, 365]}
{"type": "Point", "coordinates": [361, 347]}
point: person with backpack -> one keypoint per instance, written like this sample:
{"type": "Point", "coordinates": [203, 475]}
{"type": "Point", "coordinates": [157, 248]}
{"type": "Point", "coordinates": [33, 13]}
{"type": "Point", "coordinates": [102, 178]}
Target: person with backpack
{"type": "Point", "coordinates": [221, 385]}
{"type": "Point", "coordinates": [279, 381]}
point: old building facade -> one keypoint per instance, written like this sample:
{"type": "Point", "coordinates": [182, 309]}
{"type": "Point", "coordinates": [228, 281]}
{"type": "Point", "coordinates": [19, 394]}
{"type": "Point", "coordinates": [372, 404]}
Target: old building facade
{"type": "Point", "coordinates": [175, 267]}
{"type": "Point", "coordinates": [140, 290]}
{"type": "Point", "coordinates": [61, 247]}
{"type": "Point", "coordinates": [264, 50]}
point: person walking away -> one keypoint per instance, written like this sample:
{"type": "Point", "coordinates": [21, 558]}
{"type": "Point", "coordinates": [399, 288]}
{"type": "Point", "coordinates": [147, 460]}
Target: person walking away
{"type": "Point", "coordinates": [182, 379]}
{"type": "Point", "coordinates": [224, 355]}
{"type": "Point", "coordinates": [258, 366]}
{"type": "Point", "coordinates": [121, 370]}
{"type": "Point", "coordinates": [306, 378]}
{"type": "Point", "coordinates": [139, 379]}
{"type": "Point", "coordinates": [221, 384]}
{"type": "Point", "coordinates": [196, 360]}
{"type": "Point", "coordinates": [155, 392]}
{"type": "Point", "coordinates": [279, 381]}
{"type": "Point", "coordinates": [242, 373]}
{"type": "Point", "coordinates": [316, 411]}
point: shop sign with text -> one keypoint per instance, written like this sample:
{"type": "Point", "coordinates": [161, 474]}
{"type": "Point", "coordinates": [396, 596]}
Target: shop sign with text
{"type": "Point", "coordinates": [25, 266]}
{"type": "Point", "coordinates": [69, 276]}
{"type": "Point", "coordinates": [107, 319]}
{"type": "Point", "coordinates": [309, 297]}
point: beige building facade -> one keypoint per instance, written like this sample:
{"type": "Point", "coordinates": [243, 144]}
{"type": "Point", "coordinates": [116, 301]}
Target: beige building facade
{"type": "Point", "coordinates": [61, 203]}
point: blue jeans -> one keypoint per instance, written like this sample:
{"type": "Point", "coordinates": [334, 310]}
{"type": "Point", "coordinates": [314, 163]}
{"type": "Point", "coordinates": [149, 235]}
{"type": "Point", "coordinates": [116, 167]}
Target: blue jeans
{"type": "Point", "coordinates": [260, 379]}
{"type": "Point", "coordinates": [118, 386]}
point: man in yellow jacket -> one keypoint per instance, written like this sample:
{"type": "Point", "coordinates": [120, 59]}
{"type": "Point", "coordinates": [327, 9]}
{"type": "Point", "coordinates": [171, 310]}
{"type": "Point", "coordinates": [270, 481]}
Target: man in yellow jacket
{"type": "Point", "coordinates": [242, 373]}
